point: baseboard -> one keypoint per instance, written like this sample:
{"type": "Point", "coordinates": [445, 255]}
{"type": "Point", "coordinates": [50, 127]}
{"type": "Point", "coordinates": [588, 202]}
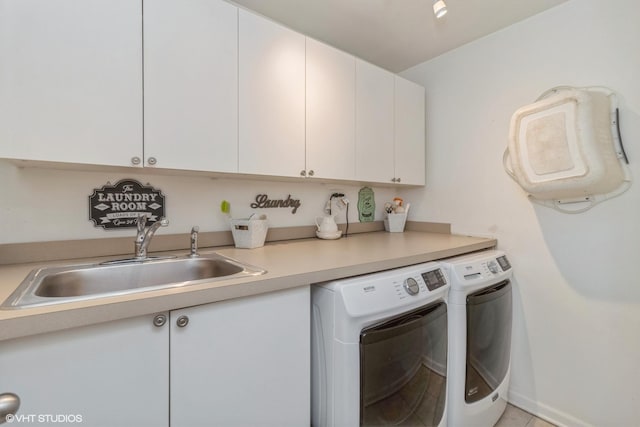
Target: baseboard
{"type": "Point", "coordinates": [545, 412]}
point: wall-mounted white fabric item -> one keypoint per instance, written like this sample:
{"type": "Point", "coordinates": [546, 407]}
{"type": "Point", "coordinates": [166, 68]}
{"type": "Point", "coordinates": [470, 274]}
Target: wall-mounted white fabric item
{"type": "Point", "coordinates": [565, 149]}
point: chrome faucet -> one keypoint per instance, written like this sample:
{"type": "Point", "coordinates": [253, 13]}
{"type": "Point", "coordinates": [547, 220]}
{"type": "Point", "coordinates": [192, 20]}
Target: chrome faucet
{"type": "Point", "coordinates": [143, 238]}
{"type": "Point", "coordinates": [194, 241]}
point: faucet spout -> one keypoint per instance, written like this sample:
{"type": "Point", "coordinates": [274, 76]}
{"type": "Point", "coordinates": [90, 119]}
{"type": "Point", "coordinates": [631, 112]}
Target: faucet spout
{"type": "Point", "coordinates": [145, 234]}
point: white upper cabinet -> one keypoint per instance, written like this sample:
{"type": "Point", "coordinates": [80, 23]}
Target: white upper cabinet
{"type": "Point", "coordinates": [374, 123]}
{"type": "Point", "coordinates": [71, 80]}
{"type": "Point", "coordinates": [330, 125]}
{"type": "Point", "coordinates": [409, 159]}
{"type": "Point", "coordinates": [191, 85]}
{"type": "Point", "coordinates": [271, 98]}
{"type": "Point", "coordinates": [225, 90]}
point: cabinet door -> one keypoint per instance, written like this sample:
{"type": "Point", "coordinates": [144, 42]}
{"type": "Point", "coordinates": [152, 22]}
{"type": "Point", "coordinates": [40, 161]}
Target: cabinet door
{"type": "Point", "coordinates": [242, 362]}
{"type": "Point", "coordinates": [374, 123]}
{"type": "Point", "coordinates": [191, 84]}
{"type": "Point", "coordinates": [111, 374]}
{"type": "Point", "coordinates": [71, 80]}
{"type": "Point", "coordinates": [330, 142]}
{"type": "Point", "coordinates": [272, 99]}
{"type": "Point", "coordinates": [409, 132]}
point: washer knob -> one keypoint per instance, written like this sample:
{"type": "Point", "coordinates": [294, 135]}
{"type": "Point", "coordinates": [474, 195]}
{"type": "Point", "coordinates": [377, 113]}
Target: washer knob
{"type": "Point", "coordinates": [411, 286]}
{"type": "Point", "coordinates": [493, 267]}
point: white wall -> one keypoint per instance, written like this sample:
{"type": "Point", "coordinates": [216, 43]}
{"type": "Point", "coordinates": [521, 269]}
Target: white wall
{"type": "Point", "coordinates": [576, 337]}
{"type": "Point", "coordinates": [46, 204]}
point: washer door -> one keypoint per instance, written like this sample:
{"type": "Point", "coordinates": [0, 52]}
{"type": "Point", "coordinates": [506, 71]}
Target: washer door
{"type": "Point", "coordinates": [489, 316]}
{"type": "Point", "coordinates": [403, 369]}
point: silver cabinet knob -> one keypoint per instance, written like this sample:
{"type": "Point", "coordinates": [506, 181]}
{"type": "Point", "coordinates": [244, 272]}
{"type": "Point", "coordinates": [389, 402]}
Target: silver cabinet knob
{"type": "Point", "coordinates": [182, 321]}
{"type": "Point", "coordinates": [311, 172]}
{"type": "Point", "coordinates": [397, 179]}
{"type": "Point", "coordinates": [159, 320]}
{"type": "Point", "coordinates": [303, 173]}
{"type": "Point", "coordinates": [152, 161]}
{"type": "Point", "coordinates": [135, 160]}
{"type": "Point", "coordinates": [393, 180]}
{"type": "Point", "coordinates": [9, 405]}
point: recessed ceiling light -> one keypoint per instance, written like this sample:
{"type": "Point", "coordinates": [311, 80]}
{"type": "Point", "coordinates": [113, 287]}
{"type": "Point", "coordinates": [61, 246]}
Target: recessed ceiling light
{"type": "Point", "coordinates": [439, 8]}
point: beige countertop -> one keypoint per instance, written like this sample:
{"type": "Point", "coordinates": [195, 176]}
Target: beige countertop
{"type": "Point", "coordinates": [288, 264]}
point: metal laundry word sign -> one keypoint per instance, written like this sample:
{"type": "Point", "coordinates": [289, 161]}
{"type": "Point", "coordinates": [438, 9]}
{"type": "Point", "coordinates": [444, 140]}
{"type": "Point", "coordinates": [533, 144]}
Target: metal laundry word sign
{"type": "Point", "coordinates": [263, 201]}
{"type": "Point", "coordinates": [119, 206]}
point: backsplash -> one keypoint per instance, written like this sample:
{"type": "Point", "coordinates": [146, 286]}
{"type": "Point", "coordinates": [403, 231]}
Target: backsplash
{"type": "Point", "coordinates": [39, 204]}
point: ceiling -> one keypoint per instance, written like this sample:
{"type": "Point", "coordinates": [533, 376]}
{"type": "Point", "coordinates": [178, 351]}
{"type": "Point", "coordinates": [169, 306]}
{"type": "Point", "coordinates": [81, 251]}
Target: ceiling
{"type": "Point", "coordinates": [396, 34]}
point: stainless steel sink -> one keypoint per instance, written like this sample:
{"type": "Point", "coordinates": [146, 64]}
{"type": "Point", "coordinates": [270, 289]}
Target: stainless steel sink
{"type": "Point", "coordinates": [55, 285]}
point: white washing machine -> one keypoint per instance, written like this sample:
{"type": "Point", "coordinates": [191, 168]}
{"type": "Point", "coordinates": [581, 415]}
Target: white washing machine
{"type": "Point", "coordinates": [379, 349]}
{"type": "Point", "coordinates": [480, 318]}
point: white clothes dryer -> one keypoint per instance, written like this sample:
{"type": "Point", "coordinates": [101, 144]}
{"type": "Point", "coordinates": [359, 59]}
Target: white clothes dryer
{"type": "Point", "coordinates": [480, 319]}
{"type": "Point", "coordinates": [379, 349]}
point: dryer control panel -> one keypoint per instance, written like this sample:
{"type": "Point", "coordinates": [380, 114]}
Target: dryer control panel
{"type": "Point", "coordinates": [474, 269]}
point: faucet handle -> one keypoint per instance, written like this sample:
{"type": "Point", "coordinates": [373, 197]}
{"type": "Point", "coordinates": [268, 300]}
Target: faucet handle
{"type": "Point", "coordinates": [194, 241]}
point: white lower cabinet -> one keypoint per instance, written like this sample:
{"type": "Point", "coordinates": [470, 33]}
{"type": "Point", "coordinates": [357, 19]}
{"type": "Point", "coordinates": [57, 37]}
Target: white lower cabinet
{"type": "Point", "coordinates": [111, 374]}
{"type": "Point", "coordinates": [241, 362]}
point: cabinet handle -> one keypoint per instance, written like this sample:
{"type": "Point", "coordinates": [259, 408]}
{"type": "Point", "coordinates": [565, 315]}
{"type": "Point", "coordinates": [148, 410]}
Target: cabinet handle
{"type": "Point", "coordinates": [393, 180]}
{"type": "Point", "coordinates": [311, 172]}
{"type": "Point", "coordinates": [9, 405]}
{"type": "Point", "coordinates": [135, 160]}
{"type": "Point", "coordinates": [159, 320]}
{"type": "Point", "coordinates": [397, 179]}
{"type": "Point", "coordinates": [152, 161]}
{"type": "Point", "coordinates": [182, 321]}
{"type": "Point", "coordinates": [303, 173]}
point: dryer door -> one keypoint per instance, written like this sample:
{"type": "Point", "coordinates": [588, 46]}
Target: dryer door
{"type": "Point", "coordinates": [488, 340]}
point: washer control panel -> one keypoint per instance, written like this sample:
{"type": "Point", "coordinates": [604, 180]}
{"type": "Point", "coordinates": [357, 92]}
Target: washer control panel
{"type": "Point", "coordinates": [425, 281]}
{"type": "Point", "coordinates": [434, 279]}
{"type": "Point", "coordinates": [379, 292]}
{"type": "Point", "coordinates": [409, 286]}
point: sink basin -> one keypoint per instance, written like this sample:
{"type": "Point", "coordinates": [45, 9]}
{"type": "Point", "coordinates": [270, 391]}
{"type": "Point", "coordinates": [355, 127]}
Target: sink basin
{"type": "Point", "coordinates": [56, 285]}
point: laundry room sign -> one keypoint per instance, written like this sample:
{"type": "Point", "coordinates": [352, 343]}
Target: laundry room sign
{"type": "Point", "coordinates": [119, 206]}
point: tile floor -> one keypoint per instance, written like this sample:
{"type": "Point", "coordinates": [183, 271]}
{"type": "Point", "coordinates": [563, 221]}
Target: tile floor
{"type": "Point", "coordinates": [516, 417]}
